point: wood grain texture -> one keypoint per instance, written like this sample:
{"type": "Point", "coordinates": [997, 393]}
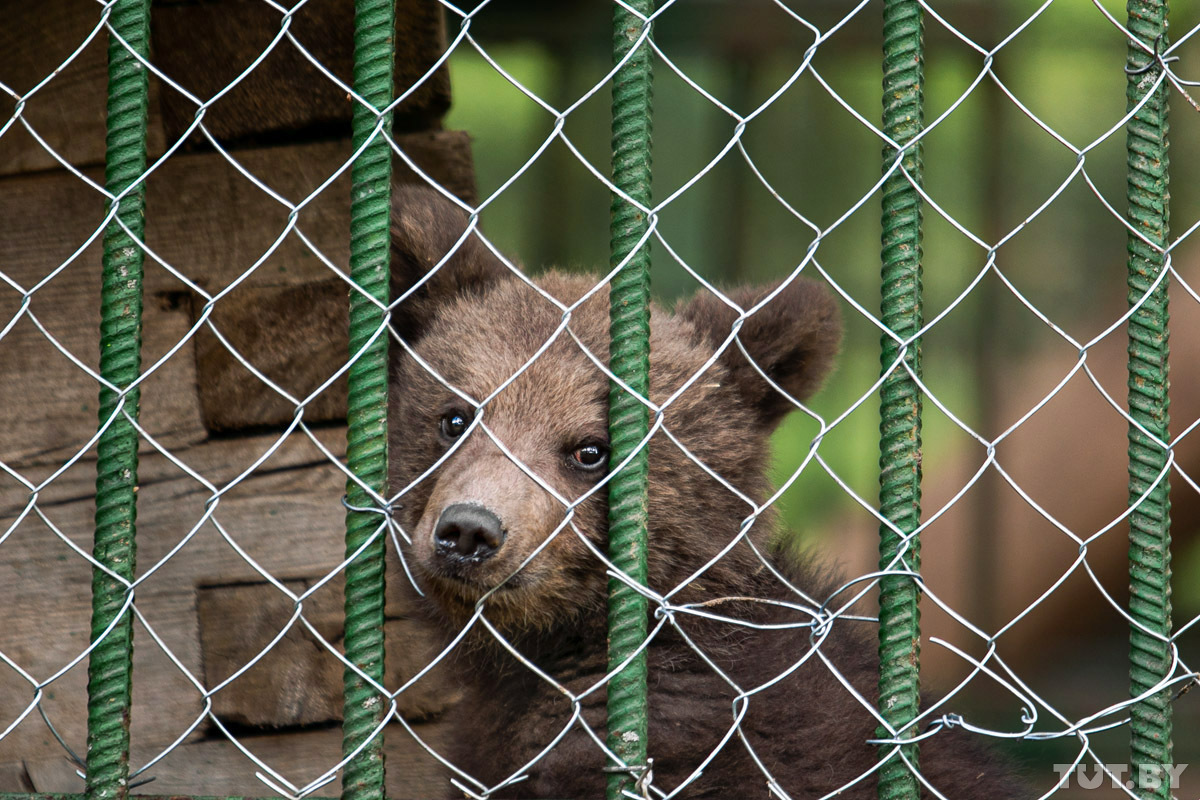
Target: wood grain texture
{"type": "Point", "coordinates": [48, 403]}
{"type": "Point", "coordinates": [205, 47]}
{"type": "Point", "coordinates": [298, 682]}
{"type": "Point", "coordinates": [290, 319]}
{"type": "Point", "coordinates": [209, 223]}
{"type": "Point", "coordinates": [211, 229]}
{"type": "Point", "coordinates": [14, 777]}
{"type": "Point", "coordinates": [68, 111]}
{"type": "Point", "coordinates": [286, 516]}
{"type": "Point", "coordinates": [294, 335]}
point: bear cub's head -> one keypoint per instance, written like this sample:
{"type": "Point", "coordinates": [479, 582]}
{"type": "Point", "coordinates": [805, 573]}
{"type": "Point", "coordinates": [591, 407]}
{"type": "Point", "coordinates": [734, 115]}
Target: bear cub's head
{"type": "Point", "coordinates": [499, 424]}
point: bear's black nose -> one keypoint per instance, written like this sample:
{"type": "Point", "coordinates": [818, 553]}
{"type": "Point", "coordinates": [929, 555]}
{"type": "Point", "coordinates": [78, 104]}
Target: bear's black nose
{"type": "Point", "coordinates": [467, 531]}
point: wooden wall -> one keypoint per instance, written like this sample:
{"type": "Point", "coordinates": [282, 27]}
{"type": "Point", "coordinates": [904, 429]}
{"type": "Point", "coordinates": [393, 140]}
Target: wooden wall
{"type": "Point", "coordinates": [208, 418]}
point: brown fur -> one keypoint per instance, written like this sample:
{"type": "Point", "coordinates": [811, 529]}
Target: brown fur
{"type": "Point", "coordinates": [476, 324]}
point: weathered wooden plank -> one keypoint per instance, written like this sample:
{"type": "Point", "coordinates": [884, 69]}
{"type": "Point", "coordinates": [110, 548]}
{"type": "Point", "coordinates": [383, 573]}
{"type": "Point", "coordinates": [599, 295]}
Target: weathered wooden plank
{"type": "Point", "coordinates": [211, 224]}
{"type": "Point", "coordinates": [287, 516]}
{"type": "Point", "coordinates": [293, 334]}
{"type": "Point", "coordinates": [298, 682]}
{"type": "Point", "coordinates": [68, 112]}
{"type": "Point", "coordinates": [47, 402]}
{"type": "Point", "coordinates": [205, 47]}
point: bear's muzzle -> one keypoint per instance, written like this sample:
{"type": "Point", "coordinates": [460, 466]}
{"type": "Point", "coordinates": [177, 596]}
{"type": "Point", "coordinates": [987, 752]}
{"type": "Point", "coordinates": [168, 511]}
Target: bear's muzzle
{"type": "Point", "coordinates": [466, 534]}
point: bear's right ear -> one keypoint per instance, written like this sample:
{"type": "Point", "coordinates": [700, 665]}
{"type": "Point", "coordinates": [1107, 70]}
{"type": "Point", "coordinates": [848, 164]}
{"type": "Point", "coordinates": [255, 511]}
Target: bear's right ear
{"type": "Point", "coordinates": [793, 338]}
{"type": "Point", "coordinates": [426, 226]}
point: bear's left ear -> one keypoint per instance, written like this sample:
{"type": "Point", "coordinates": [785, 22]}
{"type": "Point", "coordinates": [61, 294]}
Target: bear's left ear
{"type": "Point", "coordinates": [793, 339]}
{"type": "Point", "coordinates": [425, 227]}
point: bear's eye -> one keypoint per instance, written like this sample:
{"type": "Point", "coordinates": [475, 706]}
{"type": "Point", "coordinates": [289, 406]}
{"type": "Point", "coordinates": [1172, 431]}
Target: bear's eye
{"type": "Point", "coordinates": [454, 423]}
{"type": "Point", "coordinates": [590, 456]}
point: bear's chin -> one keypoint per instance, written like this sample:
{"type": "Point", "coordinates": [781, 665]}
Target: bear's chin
{"type": "Point", "coordinates": [512, 606]}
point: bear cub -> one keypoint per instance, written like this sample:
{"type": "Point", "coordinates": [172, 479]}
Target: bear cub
{"type": "Point", "coordinates": [498, 441]}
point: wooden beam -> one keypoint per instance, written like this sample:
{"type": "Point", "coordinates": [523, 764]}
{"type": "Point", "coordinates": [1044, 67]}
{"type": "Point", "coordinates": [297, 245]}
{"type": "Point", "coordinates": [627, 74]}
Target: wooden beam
{"type": "Point", "coordinates": [211, 224]}
{"type": "Point", "coordinates": [68, 112]}
{"type": "Point", "coordinates": [206, 47]}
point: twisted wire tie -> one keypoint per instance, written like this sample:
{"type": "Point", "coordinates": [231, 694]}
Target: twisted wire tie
{"type": "Point", "coordinates": [1158, 59]}
{"type": "Point", "coordinates": [643, 773]}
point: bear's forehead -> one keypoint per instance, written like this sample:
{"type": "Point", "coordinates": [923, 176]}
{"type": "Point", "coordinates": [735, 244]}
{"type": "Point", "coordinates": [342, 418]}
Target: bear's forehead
{"type": "Point", "coordinates": [487, 337]}
{"type": "Point", "coordinates": [480, 341]}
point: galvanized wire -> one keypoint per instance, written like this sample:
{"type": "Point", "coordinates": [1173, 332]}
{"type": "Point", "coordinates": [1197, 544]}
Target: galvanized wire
{"type": "Point", "coordinates": [900, 396]}
{"type": "Point", "coordinates": [629, 359]}
{"type": "Point", "coordinates": [1151, 658]}
{"type": "Point", "coordinates": [110, 667]}
{"type": "Point", "coordinates": [366, 436]}
{"type": "Point", "coordinates": [1160, 669]}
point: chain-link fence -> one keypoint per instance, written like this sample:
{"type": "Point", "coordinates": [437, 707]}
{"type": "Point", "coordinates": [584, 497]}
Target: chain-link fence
{"type": "Point", "coordinates": [585, 535]}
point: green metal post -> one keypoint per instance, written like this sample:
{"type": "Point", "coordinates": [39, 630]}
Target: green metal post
{"type": "Point", "coordinates": [110, 667]}
{"type": "Point", "coordinates": [1150, 522]}
{"type": "Point", "coordinates": [366, 452]}
{"type": "Point", "coordinates": [900, 398]}
{"type": "Point", "coordinates": [628, 418]}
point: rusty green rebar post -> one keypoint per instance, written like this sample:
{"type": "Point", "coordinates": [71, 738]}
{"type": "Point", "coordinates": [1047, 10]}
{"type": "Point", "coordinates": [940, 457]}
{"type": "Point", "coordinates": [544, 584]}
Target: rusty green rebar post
{"type": "Point", "coordinates": [110, 667]}
{"type": "Point", "coordinates": [900, 398]}
{"type": "Point", "coordinates": [1150, 522]}
{"type": "Point", "coordinates": [366, 449]}
{"type": "Point", "coordinates": [628, 419]}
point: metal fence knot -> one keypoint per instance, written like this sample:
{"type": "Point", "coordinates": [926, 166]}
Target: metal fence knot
{"type": "Point", "coordinates": [386, 509]}
{"type": "Point", "coordinates": [643, 775]}
{"type": "Point", "coordinates": [1158, 59]}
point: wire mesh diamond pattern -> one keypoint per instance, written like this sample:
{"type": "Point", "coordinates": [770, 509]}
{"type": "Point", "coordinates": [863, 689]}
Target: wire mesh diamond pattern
{"type": "Point", "coordinates": [767, 154]}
